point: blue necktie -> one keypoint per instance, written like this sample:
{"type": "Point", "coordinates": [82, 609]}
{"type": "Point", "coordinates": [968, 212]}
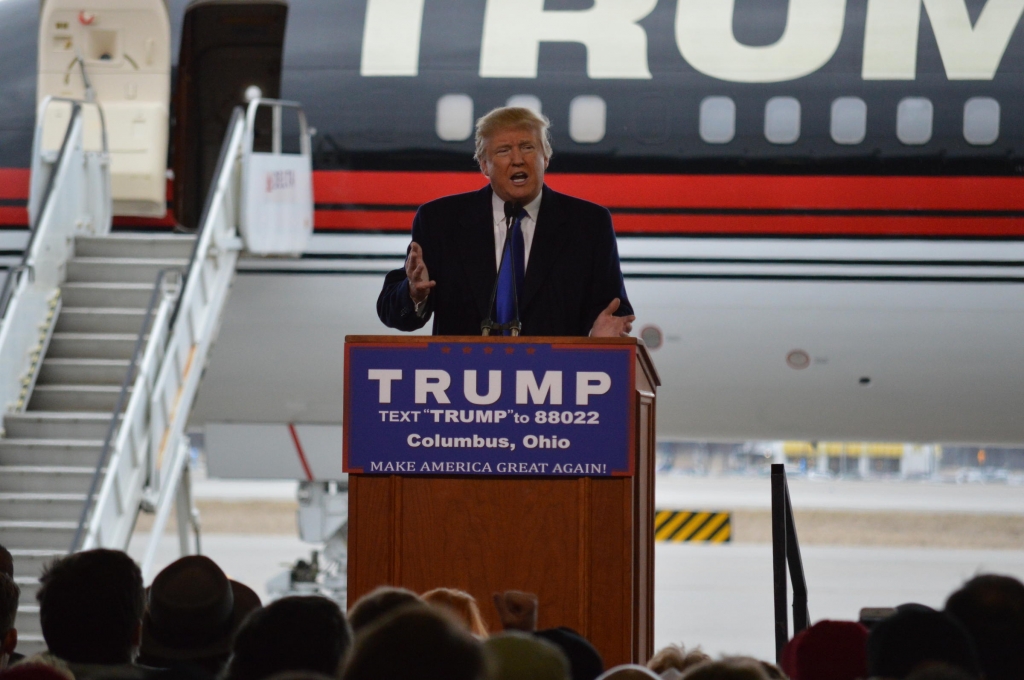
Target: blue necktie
{"type": "Point", "coordinates": [513, 272]}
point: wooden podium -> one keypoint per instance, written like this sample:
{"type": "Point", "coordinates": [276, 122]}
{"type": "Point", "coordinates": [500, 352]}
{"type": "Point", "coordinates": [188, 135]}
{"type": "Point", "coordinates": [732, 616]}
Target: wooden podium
{"type": "Point", "coordinates": [584, 545]}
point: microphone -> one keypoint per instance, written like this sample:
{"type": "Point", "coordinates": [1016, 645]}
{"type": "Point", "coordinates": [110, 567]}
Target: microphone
{"type": "Point", "coordinates": [512, 209]}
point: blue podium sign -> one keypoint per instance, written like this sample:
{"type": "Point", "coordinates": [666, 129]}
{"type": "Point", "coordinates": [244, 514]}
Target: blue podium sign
{"type": "Point", "coordinates": [489, 407]}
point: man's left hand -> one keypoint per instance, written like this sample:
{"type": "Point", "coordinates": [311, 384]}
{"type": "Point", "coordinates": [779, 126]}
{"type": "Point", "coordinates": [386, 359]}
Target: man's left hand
{"type": "Point", "coordinates": [607, 325]}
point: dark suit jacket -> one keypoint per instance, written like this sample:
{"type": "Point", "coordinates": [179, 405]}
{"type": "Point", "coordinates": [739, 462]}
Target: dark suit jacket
{"type": "Point", "coordinates": [572, 274]}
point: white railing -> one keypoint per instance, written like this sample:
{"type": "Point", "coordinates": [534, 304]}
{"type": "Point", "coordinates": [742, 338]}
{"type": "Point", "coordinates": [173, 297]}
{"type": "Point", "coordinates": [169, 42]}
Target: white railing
{"type": "Point", "coordinates": [277, 187]}
{"type": "Point", "coordinates": [70, 195]}
{"type": "Point", "coordinates": [145, 458]}
{"type": "Point", "coordinates": [184, 327]}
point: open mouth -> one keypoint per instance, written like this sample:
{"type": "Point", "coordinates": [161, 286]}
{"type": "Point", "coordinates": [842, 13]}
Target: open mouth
{"type": "Point", "coordinates": [519, 178]}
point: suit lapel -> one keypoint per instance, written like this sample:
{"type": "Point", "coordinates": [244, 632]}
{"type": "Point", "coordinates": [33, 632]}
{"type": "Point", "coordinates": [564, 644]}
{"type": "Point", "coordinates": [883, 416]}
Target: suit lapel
{"type": "Point", "coordinates": [549, 239]}
{"type": "Point", "coordinates": [475, 243]}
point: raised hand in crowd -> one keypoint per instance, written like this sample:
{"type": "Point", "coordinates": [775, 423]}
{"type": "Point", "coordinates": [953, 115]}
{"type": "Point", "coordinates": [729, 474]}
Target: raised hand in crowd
{"type": "Point", "coordinates": [517, 610]}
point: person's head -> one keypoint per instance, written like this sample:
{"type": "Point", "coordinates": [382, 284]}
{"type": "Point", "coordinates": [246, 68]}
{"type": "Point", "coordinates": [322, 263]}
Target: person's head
{"type": "Point", "coordinates": [912, 639]}
{"type": "Point", "coordinates": [9, 595]}
{"type": "Point", "coordinates": [585, 662]}
{"type": "Point", "coordinates": [377, 604]}
{"type": "Point", "coordinates": [35, 671]}
{"type": "Point", "coordinates": [290, 634]}
{"type": "Point", "coordinates": [629, 671]}
{"type": "Point", "coordinates": [736, 668]}
{"type": "Point", "coordinates": [462, 605]}
{"type": "Point", "coordinates": [416, 642]}
{"type": "Point", "coordinates": [521, 656]}
{"type": "Point", "coordinates": [991, 607]}
{"type": "Point", "coordinates": [828, 650]}
{"type": "Point", "coordinates": [939, 671]}
{"type": "Point", "coordinates": [193, 613]}
{"type": "Point", "coordinates": [43, 666]}
{"type": "Point", "coordinates": [90, 607]}
{"type": "Point", "coordinates": [675, 656]}
{"type": "Point", "coordinates": [6, 562]}
{"type": "Point", "coordinates": [513, 149]}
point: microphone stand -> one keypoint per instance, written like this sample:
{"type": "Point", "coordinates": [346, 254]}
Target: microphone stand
{"type": "Point", "coordinates": [488, 325]}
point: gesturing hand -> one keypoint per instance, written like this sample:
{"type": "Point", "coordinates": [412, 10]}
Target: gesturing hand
{"type": "Point", "coordinates": [517, 610]}
{"type": "Point", "coordinates": [416, 271]}
{"type": "Point", "coordinates": [609, 326]}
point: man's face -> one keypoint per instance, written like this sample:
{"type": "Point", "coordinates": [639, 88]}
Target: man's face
{"type": "Point", "coordinates": [515, 164]}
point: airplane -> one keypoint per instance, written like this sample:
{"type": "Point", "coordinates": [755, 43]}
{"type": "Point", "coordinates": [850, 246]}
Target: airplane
{"type": "Point", "coordinates": [819, 203]}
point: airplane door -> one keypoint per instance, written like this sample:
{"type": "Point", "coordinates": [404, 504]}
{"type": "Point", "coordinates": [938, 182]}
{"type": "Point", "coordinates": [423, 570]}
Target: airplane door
{"type": "Point", "coordinates": [122, 49]}
{"type": "Point", "coordinates": [227, 48]}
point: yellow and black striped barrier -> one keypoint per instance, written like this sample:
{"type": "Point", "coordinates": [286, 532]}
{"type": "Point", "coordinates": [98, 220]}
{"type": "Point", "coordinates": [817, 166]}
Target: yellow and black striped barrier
{"type": "Point", "coordinates": [679, 526]}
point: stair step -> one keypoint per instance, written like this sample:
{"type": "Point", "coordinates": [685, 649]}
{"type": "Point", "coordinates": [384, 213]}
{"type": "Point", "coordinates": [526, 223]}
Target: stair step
{"type": "Point", "coordinates": [59, 452]}
{"type": "Point", "coordinates": [100, 398]}
{"type": "Point", "coordinates": [135, 245]}
{"type": "Point", "coordinates": [30, 644]}
{"type": "Point", "coordinates": [65, 507]}
{"type": "Point", "coordinates": [100, 320]}
{"type": "Point", "coordinates": [29, 587]}
{"type": "Point", "coordinates": [92, 346]}
{"type": "Point", "coordinates": [30, 562]}
{"type": "Point", "coordinates": [37, 534]}
{"type": "Point", "coordinates": [120, 269]}
{"type": "Point", "coordinates": [56, 425]}
{"type": "Point", "coordinates": [106, 294]}
{"type": "Point", "coordinates": [83, 371]}
{"type": "Point", "coordinates": [45, 479]}
{"type": "Point", "coordinates": [28, 622]}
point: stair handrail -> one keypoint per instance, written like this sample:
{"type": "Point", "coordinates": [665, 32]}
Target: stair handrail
{"type": "Point", "coordinates": [37, 202]}
{"type": "Point", "coordinates": [70, 195]}
{"type": "Point", "coordinates": [38, 197]}
{"type": "Point", "coordinates": [160, 294]}
{"type": "Point", "coordinates": [147, 429]}
{"type": "Point", "coordinates": [786, 548]}
{"type": "Point", "coordinates": [237, 115]}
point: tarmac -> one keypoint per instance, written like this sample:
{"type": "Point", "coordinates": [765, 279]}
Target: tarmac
{"type": "Point", "coordinates": [719, 596]}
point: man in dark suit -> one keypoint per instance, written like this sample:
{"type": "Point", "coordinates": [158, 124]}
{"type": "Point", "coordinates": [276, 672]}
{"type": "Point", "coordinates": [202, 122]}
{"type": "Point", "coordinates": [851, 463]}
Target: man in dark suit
{"type": "Point", "coordinates": [561, 265]}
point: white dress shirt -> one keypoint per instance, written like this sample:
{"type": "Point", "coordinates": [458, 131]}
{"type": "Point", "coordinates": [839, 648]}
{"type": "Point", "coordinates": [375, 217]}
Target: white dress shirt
{"type": "Point", "coordinates": [529, 226]}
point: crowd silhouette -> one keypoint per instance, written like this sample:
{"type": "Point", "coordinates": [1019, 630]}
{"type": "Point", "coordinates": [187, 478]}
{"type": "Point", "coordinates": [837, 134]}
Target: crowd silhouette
{"type": "Point", "coordinates": [194, 623]}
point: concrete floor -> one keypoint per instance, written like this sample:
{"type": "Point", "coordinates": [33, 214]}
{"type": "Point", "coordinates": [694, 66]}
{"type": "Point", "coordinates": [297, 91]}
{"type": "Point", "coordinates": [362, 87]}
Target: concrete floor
{"type": "Point", "coordinates": [715, 596]}
{"type": "Point", "coordinates": [687, 492]}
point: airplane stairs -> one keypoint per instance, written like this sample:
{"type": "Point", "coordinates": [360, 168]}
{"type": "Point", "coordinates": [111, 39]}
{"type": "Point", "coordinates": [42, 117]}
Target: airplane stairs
{"type": "Point", "coordinates": [49, 451]}
{"type": "Point", "coordinates": [103, 341]}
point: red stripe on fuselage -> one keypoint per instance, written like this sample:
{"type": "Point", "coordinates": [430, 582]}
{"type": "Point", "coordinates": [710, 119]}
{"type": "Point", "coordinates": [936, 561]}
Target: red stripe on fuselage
{"type": "Point", "coordinates": [695, 191]}
{"type": "Point", "coordinates": [13, 217]}
{"type": "Point", "coordinates": [14, 183]}
{"type": "Point", "coordinates": [731, 225]}
{"type": "Point", "coordinates": [360, 201]}
{"type": "Point", "coordinates": [355, 191]}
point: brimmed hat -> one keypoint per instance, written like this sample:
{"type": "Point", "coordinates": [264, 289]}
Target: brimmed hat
{"type": "Point", "coordinates": [193, 611]}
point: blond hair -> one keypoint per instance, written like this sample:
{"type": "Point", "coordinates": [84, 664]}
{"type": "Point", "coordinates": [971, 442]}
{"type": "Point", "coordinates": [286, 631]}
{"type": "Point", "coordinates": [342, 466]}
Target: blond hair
{"type": "Point", "coordinates": [514, 117]}
{"type": "Point", "coordinates": [462, 605]}
{"type": "Point", "coordinates": [675, 656]}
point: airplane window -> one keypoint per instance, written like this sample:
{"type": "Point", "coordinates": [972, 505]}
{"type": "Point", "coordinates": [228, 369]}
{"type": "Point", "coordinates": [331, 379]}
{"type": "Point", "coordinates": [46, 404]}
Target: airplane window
{"type": "Point", "coordinates": [717, 120]}
{"type": "Point", "coordinates": [454, 117]}
{"type": "Point", "coordinates": [914, 120]}
{"type": "Point", "coordinates": [526, 101]}
{"type": "Point", "coordinates": [782, 120]}
{"type": "Point", "coordinates": [587, 114]}
{"type": "Point", "coordinates": [849, 120]}
{"type": "Point", "coordinates": [981, 121]}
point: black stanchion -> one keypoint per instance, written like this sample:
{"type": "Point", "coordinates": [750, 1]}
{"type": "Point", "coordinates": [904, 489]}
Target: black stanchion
{"type": "Point", "coordinates": [786, 549]}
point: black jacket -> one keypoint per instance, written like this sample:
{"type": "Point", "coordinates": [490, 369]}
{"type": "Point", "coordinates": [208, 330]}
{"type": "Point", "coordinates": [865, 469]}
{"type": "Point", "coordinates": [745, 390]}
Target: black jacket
{"type": "Point", "coordinates": [572, 274]}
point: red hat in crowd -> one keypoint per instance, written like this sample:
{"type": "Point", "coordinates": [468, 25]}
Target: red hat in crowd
{"type": "Point", "coordinates": [828, 650]}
